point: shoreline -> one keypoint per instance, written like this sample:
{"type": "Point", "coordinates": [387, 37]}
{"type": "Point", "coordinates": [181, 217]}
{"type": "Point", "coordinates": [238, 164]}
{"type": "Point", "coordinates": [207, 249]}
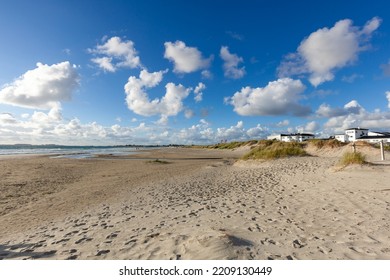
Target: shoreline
{"type": "Point", "coordinates": [202, 205]}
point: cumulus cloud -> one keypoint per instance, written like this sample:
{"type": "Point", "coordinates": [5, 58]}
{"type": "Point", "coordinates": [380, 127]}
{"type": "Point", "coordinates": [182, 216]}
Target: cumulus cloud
{"type": "Point", "coordinates": [114, 54]}
{"type": "Point", "coordinates": [43, 87]}
{"type": "Point", "coordinates": [138, 100]}
{"type": "Point", "coordinates": [277, 98]}
{"type": "Point", "coordinates": [353, 115]}
{"type": "Point", "coordinates": [230, 65]}
{"type": "Point", "coordinates": [206, 74]}
{"type": "Point", "coordinates": [203, 133]}
{"type": "Point", "coordinates": [199, 92]}
{"type": "Point", "coordinates": [328, 49]}
{"type": "Point", "coordinates": [7, 118]}
{"type": "Point", "coordinates": [311, 126]}
{"type": "Point", "coordinates": [283, 123]}
{"type": "Point", "coordinates": [185, 59]}
{"type": "Point", "coordinates": [352, 107]}
{"type": "Point", "coordinates": [257, 132]}
{"type": "Point", "coordinates": [234, 132]}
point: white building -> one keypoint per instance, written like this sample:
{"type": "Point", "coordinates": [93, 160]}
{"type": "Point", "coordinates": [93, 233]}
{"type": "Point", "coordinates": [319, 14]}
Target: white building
{"type": "Point", "coordinates": [376, 137]}
{"type": "Point", "coordinates": [341, 137]}
{"type": "Point", "coordinates": [275, 137]}
{"type": "Point", "coordinates": [293, 137]}
{"type": "Point", "coordinates": [362, 134]}
{"type": "Point", "coordinates": [355, 133]}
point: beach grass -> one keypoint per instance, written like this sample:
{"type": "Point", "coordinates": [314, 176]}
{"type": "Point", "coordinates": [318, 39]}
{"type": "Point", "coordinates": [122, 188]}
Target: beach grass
{"type": "Point", "coordinates": [329, 143]}
{"type": "Point", "coordinates": [230, 145]}
{"type": "Point", "coordinates": [271, 149]}
{"type": "Point", "coordinates": [349, 158]}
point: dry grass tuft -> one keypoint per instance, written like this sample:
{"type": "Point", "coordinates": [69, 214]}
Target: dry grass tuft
{"type": "Point", "coordinates": [271, 149]}
{"type": "Point", "coordinates": [331, 143]}
{"type": "Point", "coordinates": [349, 158]}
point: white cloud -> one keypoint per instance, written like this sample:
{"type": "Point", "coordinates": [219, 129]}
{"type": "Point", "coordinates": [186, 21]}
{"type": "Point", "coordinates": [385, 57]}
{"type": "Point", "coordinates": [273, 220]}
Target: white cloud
{"type": "Point", "coordinates": [105, 63]}
{"type": "Point", "coordinates": [277, 98]}
{"type": "Point", "coordinates": [230, 65]}
{"type": "Point", "coordinates": [185, 59]}
{"type": "Point", "coordinates": [206, 74]}
{"type": "Point", "coordinates": [326, 50]}
{"type": "Point", "coordinates": [312, 127]}
{"type": "Point", "coordinates": [352, 107]}
{"type": "Point", "coordinates": [371, 26]}
{"type": "Point", "coordinates": [350, 79]}
{"type": "Point", "coordinates": [7, 118]}
{"type": "Point", "coordinates": [235, 132]}
{"type": "Point", "coordinates": [138, 100]}
{"type": "Point", "coordinates": [199, 92]}
{"type": "Point", "coordinates": [43, 87]}
{"type": "Point", "coordinates": [388, 98]}
{"type": "Point", "coordinates": [283, 123]}
{"type": "Point", "coordinates": [353, 115]}
{"type": "Point", "coordinates": [54, 115]}
{"type": "Point", "coordinates": [257, 132]}
{"type": "Point", "coordinates": [115, 54]}
{"type": "Point", "coordinates": [188, 113]}
{"type": "Point", "coordinates": [327, 111]}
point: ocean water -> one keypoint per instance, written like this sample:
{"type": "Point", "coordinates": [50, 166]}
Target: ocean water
{"type": "Point", "coordinates": [67, 151]}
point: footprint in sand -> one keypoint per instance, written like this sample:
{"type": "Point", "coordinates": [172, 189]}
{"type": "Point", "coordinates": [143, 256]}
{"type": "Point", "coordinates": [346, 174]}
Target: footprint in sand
{"type": "Point", "coordinates": [82, 240]}
{"type": "Point", "coordinates": [102, 252]}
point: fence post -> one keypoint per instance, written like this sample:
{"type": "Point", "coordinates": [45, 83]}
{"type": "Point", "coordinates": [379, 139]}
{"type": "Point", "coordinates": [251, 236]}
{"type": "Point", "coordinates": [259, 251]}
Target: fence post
{"type": "Point", "coordinates": [382, 150]}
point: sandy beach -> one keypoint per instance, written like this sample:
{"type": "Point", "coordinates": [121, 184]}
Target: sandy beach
{"type": "Point", "coordinates": [193, 204]}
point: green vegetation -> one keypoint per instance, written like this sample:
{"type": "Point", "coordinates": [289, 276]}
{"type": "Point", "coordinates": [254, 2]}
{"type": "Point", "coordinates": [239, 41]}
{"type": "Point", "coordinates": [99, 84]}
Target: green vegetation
{"type": "Point", "coordinates": [352, 158]}
{"type": "Point", "coordinates": [272, 149]}
{"type": "Point", "coordinates": [331, 143]}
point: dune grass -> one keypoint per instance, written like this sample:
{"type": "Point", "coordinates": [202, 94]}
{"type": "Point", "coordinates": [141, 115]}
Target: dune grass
{"type": "Point", "coordinates": [232, 145]}
{"type": "Point", "coordinates": [349, 158]}
{"type": "Point", "coordinates": [330, 143]}
{"type": "Point", "coordinates": [272, 149]}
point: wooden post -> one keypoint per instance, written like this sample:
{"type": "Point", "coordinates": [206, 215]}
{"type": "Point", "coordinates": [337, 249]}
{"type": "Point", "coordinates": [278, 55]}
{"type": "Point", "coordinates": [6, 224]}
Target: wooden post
{"type": "Point", "coordinates": [382, 150]}
{"type": "Point", "coordinates": [353, 147]}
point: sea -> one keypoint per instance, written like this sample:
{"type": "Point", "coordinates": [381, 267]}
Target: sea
{"type": "Point", "coordinates": [70, 151]}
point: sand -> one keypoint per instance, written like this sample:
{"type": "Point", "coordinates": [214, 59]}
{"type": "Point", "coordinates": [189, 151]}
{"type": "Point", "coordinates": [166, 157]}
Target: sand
{"type": "Point", "coordinates": [193, 204]}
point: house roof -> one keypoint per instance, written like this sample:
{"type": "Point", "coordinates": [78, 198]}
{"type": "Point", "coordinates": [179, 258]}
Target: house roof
{"type": "Point", "coordinates": [382, 132]}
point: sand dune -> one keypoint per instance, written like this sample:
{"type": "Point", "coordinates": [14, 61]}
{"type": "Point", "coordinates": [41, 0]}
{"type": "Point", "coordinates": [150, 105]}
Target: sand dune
{"type": "Point", "coordinates": [203, 204]}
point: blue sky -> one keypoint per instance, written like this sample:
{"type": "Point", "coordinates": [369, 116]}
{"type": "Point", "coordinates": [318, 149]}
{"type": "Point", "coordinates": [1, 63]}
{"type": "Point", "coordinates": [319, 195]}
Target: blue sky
{"type": "Point", "coordinates": [159, 72]}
